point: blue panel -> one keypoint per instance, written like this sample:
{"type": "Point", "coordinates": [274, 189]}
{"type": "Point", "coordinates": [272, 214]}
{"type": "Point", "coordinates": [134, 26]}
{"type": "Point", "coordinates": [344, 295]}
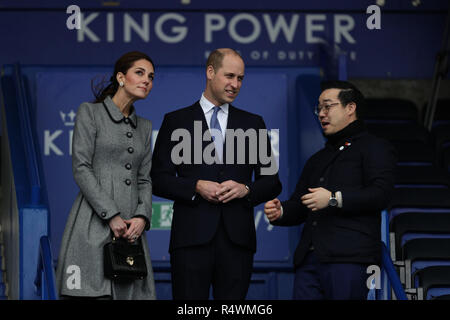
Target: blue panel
{"type": "Point", "coordinates": [33, 225]}
{"type": "Point", "coordinates": [404, 47]}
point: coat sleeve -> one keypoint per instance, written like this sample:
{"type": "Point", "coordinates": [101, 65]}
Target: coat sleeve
{"type": "Point", "coordinates": [266, 185]}
{"type": "Point", "coordinates": [144, 208]}
{"type": "Point", "coordinates": [166, 182]}
{"type": "Point", "coordinates": [378, 161]}
{"type": "Point", "coordinates": [83, 148]}
{"type": "Point", "coordinates": [294, 212]}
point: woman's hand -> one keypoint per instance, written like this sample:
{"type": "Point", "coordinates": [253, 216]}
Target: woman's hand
{"type": "Point", "coordinates": [135, 228]}
{"type": "Point", "coordinates": [118, 226]}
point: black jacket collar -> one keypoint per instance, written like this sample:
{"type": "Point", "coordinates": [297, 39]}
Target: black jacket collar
{"type": "Point", "coordinates": [350, 131]}
{"type": "Point", "coordinates": [117, 116]}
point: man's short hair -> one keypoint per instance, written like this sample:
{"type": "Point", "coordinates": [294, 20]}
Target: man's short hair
{"type": "Point", "coordinates": [215, 58]}
{"type": "Point", "coordinates": [349, 93]}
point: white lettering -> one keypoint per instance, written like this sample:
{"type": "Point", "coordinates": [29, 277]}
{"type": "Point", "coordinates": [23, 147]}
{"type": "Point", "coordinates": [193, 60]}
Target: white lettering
{"type": "Point", "coordinates": [129, 23]}
{"type": "Point", "coordinates": [110, 27]}
{"type": "Point", "coordinates": [74, 280]}
{"type": "Point", "coordinates": [74, 20]}
{"type": "Point", "coordinates": [342, 25]}
{"type": "Point", "coordinates": [248, 39]}
{"type": "Point", "coordinates": [374, 21]}
{"type": "Point", "coordinates": [311, 27]}
{"type": "Point", "coordinates": [210, 26]}
{"type": "Point", "coordinates": [281, 24]}
{"type": "Point", "coordinates": [180, 31]}
{"type": "Point", "coordinates": [84, 30]}
{"type": "Point", "coordinates": [48, 142]}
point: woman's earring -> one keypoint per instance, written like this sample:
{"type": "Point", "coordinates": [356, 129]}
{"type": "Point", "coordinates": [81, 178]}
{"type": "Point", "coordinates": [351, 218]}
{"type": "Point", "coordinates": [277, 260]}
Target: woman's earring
{"type": "Point", "coordinates": [121, 83]}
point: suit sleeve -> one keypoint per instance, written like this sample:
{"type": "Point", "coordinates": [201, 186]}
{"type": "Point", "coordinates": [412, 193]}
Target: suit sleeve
{"type": "Point", "coordinates": [379, 166]}
{"type": "Point", "coordinates": [83, 148]}
{"type": "Point", "coordinates": [294, 212]}
{"type": "Point", "coordinates": [166, 182]}
{"type": "Point", "coordinates": [266, 185]}
{"type": "Point", "coordinates": [144, 208]}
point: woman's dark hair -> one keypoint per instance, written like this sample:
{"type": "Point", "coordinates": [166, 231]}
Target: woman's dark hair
{"type": "Point", "coordinates": [124, 63]}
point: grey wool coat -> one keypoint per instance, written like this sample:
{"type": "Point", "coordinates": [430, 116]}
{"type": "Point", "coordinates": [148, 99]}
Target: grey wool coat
{"type": "Point", "coordinates": [111, 162]}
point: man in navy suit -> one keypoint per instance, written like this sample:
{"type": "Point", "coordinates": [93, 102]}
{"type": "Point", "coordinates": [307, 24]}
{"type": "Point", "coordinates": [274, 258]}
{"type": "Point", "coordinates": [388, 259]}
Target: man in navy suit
{"type": "Point", "coordinates": [213, 237]}
{"type": "Point", "coordinates": [339, 197]}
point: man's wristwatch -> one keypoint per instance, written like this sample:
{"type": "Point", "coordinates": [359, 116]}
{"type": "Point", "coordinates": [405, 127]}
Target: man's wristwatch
{"type": "Point", "coordinates": [333, 201]}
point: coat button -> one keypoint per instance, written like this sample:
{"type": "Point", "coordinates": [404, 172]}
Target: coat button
{"type": "Point", "coordinates": [103, 214]}
{"type": "Point", "coordinates": [127, 121]}
{"type": "Point", "coordinates": [128, 166]}
{"type": "Point", "coordinates": [128, 182]}
{"type": "Point", "coordinates": [314, 223]}
{"type": "Point", "coordinates": [140, 201]}
{"type": "Point", "coordinates": [321, 179]}
{"type": "Point", "coordinates": [129, 134]}
{"type": "Point", "coordinates": [130, 150]}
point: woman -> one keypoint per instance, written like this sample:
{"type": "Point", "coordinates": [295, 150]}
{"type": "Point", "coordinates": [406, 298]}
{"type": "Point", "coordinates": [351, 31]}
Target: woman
{"type": "Point", "coordinates": [111, 161]}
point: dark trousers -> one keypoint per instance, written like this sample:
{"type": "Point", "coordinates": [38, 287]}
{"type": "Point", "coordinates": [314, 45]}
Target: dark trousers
{"type": "Point", "coordinates": [220, 263]}
{"type": "Point", "coordinates": [330, 281]}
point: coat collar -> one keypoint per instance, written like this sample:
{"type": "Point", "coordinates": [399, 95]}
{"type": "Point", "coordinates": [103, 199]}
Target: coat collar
{"type": "Point", "coordinates": [117, 116]}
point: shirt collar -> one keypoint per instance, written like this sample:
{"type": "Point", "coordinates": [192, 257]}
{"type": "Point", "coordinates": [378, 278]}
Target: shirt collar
{"type": "Point", "coordinates": [208, 105]}
{"type": "Point", "coordinates": [116, 115]}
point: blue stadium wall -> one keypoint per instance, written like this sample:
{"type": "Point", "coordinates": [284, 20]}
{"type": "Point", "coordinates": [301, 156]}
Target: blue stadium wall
{"type": "Point", "coordinates": [288, 47]}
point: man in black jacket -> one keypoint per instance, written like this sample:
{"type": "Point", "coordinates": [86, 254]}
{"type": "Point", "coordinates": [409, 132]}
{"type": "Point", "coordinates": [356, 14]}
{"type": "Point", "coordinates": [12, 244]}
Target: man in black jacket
{"type": "Point", "coordinates": [213, 235]}
{"type": "Point", "coordinates": [339, 197]}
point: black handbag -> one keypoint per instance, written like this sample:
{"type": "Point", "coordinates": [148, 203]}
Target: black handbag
{"type": "Point", "coordinates": [124, 260]}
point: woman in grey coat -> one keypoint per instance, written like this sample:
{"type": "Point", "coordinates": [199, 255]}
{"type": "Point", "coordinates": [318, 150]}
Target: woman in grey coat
{"type": "Point", "coordinates": [111, 161]}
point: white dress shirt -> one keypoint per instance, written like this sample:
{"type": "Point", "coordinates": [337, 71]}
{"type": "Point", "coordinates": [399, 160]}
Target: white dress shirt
{"type": "Point", "coordinates": [222, 115]}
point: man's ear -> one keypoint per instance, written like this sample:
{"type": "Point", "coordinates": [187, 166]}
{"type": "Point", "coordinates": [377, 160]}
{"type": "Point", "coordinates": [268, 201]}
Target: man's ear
{"type": "Point", "coordinates": [210, 72]}
{"type": "Point", "coordinates": [351, 108]}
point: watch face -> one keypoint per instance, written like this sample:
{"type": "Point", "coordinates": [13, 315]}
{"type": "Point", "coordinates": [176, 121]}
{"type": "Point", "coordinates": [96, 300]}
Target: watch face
{"type": "Point", "coordinates": [333, 202]}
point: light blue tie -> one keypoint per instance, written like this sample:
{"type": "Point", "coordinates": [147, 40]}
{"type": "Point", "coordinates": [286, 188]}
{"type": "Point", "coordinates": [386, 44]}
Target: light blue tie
{"type": "Point", "coordinates": [217, 138]}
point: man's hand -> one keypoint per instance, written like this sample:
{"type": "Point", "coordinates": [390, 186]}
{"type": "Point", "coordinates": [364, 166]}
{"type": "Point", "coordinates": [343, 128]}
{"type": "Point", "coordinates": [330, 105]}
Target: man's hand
{"type": "Point", "coordinates": [272, 209]}
{"type": "Point", "coordinates": [230, 190]}
{"type": "Point", "coordinates": [208, 190]}
{"type": "Point", "coordinates": [317, 198]}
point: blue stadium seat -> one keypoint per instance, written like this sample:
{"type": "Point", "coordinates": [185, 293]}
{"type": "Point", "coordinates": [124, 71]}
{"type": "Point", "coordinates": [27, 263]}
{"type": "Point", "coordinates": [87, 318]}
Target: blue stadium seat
{"type": "Point", "coordinates": [421, 253]}
{"type": "Point", "coordinates": [415, 225]}
{"type": "Point", "coordinates": [421, 177]}
{"type": "Point", "coordinates": [390, 110]}
{"type": "Point", "coordinates": [433, 282]}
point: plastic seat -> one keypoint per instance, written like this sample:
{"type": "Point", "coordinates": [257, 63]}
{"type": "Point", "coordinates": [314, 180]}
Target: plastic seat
{"type": "Point", "coordinates": [433, 282]}
{"type": "Point", "coordinates": [390, 110]}
{"type": "Point", "coordinates": [407, 199]}
{"type": "Point", "coordinates": [416, 223]}
{"type": "Point", "coordinates": [421, 253]}
{"type": "Point", "coordinates": [442, 113]}
{"type": "Point", "coordinates": [399, 132]}
{"type": "Point", "coordinates": [441, 137]}
{"type": "Point", "coordinates": [421, 177]}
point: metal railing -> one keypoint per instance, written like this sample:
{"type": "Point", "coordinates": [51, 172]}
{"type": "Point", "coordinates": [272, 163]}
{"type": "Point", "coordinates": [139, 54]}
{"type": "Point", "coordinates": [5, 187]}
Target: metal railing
{"type": "Point", "coordinates": [28, 140]}
{"type": "Point", "coordinates": [45, 276]}
{"type": "Point", "coordinates": [393, 277]}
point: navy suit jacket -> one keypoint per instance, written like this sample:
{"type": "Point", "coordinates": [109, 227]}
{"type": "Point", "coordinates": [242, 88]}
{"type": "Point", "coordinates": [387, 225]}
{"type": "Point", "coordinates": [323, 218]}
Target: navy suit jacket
{"type": "Point", "coordinates": [195, 220]}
